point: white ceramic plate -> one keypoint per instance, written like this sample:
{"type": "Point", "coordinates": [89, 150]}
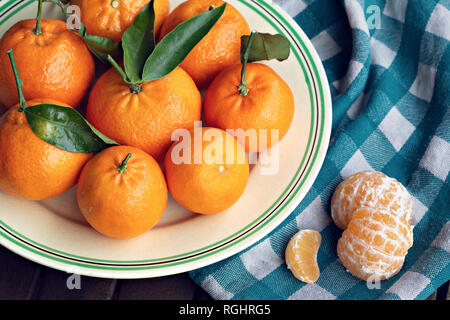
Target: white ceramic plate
{"type": "Point", "coordinates": [53, 232]}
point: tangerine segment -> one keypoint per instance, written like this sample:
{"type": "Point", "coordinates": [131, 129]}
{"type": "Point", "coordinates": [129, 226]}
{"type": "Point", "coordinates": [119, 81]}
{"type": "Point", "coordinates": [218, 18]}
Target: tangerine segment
{"type": "Point", "coordinates": [370, 189]}
{"type": "Point", "coordinates": [301, 255]}
{"type": "Point", "coordinates": [375, 243]}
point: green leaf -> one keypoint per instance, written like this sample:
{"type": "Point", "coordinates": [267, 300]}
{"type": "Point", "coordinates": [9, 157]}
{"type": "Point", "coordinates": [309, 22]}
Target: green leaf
{"type": "Point", "coordinates": [266, 46]}
{"type": "Point", "coordinates": [101, 47]}
{"type": "Point", "coordinates": [176, 45]}
{"type": "Point", "coordinates": [138, 41]}
{"type": "Point", "coordinates": [66, 129]}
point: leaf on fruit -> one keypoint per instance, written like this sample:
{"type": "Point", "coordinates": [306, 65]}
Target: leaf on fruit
{"type": "Point", "coordinates": [66, 129]}
{"type": "Point", "coordinates": [138, 41]}
{"type": "Point", "coordinates": [101, 47]}
{"type": "Point", "coordinates": [175, 46]}
{"type": "Point", "coordinates": [266, 46]}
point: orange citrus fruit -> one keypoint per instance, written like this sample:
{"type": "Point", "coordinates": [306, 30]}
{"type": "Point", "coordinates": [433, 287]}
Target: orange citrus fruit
{"type": "Point", "coordinates": [375, 243]}
{"type": "Point", "coordinates": [369, 189]}
{"type": "Point", "coordinates": [301, 255]}
{"type": "Point", "coordinates": [55, 64]}
{"type": "Point", "coordinates": [209, 176]}
{"type": "Point", "coordinates": [145, 119]}
{"type": "Point", "coordinates": [76, 2]}
{"type": "Point", "coordinates": [219, 49]}
{"type": "Point", "coordinates": [3, 109]}
{"type": "Point", "coordinates": [122, 192]}
{"type": "Point", "coordinates": [31, 168]}
{"type": "Point", "coordinates": [269, 105]}
{"type": "Point", "coordinates": [111, 18]}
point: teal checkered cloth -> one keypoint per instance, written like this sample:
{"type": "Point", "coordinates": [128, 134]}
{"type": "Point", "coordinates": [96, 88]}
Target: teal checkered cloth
{"type": "Point", "coordinates": [389, 79]}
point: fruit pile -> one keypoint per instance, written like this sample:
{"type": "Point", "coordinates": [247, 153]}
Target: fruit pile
{"type": "Point", "coordinates": [114, 150]}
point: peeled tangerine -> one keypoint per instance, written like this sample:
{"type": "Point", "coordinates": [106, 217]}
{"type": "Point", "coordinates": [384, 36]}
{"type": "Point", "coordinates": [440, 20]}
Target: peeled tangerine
{"type": "Point", "coordinates": [375, 212]}
{"type": "Point", "coordinates": [369, 189]}
{"type": "Point", "coordinates": [301, 255]}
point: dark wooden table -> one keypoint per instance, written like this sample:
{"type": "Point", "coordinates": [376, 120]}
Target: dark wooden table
{"type": "Point", "coordinates": [23, 279]}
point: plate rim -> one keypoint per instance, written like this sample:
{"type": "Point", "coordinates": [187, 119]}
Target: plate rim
{"type": "Point", "coordinates": [298, 193]}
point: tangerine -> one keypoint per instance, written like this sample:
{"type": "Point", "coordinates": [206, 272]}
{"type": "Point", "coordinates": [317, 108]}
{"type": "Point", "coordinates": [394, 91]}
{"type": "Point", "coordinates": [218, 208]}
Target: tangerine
{"type": "Point", "coordinates": [111, 18]}
{"type": "Point", "coordinates": [144, 116]}
{"type": "Point", "coordinates": [122, 192]}
{"type": "Point", "coordinates": [369, 189]}
{"type": "Point", "coordinates": [55, 63]}
{"type": "Point", "coordinates": [375, 243]}
{"type": "Point", "coordinates": [31, 168]}
{"type": "Point", "coordinates": [3, 109]}
{"type": "Point", "coordinates": [219, 49]}
{"type": "Point", "coordinates": [268, 105]}
{"type": "Point", "coordinates": [207, 175]}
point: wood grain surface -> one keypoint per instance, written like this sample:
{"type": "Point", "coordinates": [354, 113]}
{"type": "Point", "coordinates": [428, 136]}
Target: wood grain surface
{"type": "Point", "coordinates": [23, 279]}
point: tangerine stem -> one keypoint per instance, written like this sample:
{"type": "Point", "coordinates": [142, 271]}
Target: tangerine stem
{"type": "Point", "coordinates": [19, 82]}
{"type": "Point", "coordinates": [135, 88]}
{"type": "Point", "coordinates": [37, 31]}
{"type": "Point", "coordinates": [123, 167]}
{"type": "Point", "coordinates": [115, 3]}
{"type": "Point", "coordinates": [119, 69]}
{"type": "Point", "coordinates": [63, 8]}
{"type": "Point", "coordinates": [243, 90]}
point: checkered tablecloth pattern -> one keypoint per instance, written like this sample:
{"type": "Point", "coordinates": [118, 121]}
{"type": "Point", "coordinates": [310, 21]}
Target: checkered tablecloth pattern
{"type": "Point", "coordinates": [390, 81]}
